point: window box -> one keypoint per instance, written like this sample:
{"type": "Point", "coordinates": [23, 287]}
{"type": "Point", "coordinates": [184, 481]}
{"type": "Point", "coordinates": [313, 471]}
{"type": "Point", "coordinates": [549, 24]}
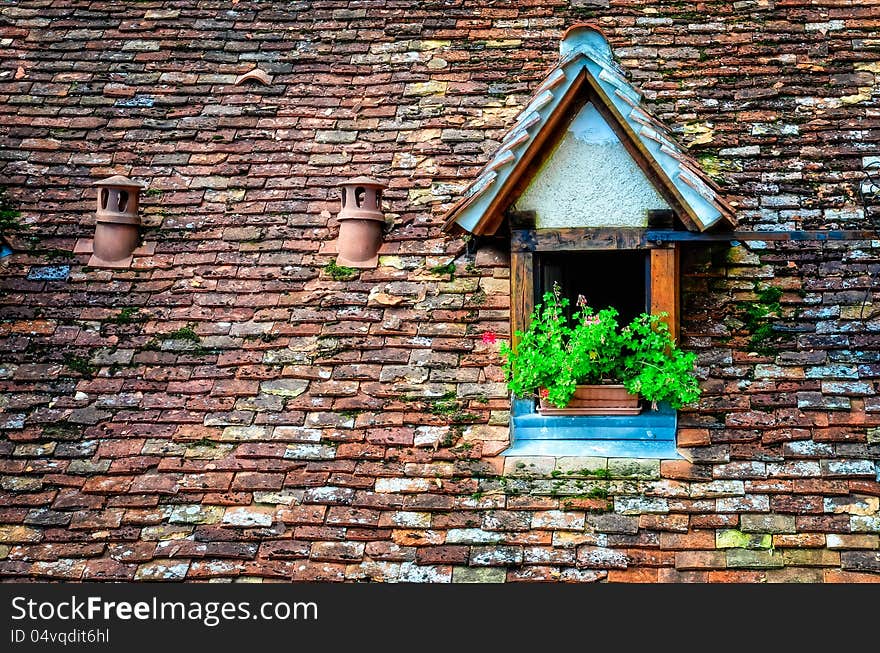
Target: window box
{"type": "Point", "coordinates": [596, 400]}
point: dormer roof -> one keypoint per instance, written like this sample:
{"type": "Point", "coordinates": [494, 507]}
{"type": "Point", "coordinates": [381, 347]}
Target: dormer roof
{"type": "Point", "coordinates": [587, 71]}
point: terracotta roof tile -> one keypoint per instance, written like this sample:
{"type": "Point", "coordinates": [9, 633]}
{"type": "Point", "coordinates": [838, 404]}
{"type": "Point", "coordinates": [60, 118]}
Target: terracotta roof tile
{"type": "Point", "coordinates": [226, 409]}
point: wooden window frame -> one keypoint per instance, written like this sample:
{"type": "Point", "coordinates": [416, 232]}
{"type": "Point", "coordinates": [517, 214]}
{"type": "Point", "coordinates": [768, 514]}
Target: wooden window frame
{"type": "Point", "coordinates": [664, 290]}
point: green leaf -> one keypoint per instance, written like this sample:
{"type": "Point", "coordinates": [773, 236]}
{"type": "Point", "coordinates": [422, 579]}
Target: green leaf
{"type": "Point", "coordinates": [556, 354]}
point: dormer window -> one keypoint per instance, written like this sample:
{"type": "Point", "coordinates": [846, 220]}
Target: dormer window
{"type": "Point", "coordinates": [577, 182]}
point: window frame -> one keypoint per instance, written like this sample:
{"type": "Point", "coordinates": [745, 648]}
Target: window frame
{"type": "Point", "coordinates": [663, 278]}
{"type": "Point", "coordinates": [663, 290]}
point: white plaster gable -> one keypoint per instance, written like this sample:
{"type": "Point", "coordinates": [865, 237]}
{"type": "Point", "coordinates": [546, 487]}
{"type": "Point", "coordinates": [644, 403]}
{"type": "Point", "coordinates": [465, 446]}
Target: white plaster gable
{"type": "Point", "coordinates": [590, 180]}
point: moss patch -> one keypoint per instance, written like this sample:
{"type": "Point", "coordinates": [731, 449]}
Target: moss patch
{"type": "Point", "coordinates": [79, 364]}
{"type": "Point", "coordinates": [339, 272]}
{"type": "Point", "coordinates": [734, 539]}
{"type": "Point", "coordinates": [183, 333]}
{"type": "Point", "coordinates": [759, 317]}
{"type": "Point", "coordinates": [9, 213]}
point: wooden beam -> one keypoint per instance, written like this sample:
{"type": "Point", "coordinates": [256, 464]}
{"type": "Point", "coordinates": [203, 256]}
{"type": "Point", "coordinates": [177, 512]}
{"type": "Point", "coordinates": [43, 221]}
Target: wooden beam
{"type": "Point", "coordinates": [665, 285]}
{"type": "Point", "coordinates": [574, 240]}
{"type": "Point", "coordinates": [522, 292]}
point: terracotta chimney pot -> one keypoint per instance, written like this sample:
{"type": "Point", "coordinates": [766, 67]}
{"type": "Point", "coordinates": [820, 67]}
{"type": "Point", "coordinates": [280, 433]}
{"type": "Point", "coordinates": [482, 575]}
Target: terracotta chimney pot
{"type": "Point", "coordinates": [361, 222]}
{"type": "Point", "coordinates": [117, 224]}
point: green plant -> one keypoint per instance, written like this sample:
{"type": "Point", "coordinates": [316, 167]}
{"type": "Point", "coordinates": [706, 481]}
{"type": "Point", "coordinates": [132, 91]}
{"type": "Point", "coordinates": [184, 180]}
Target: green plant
{"type": "Point", "coordinates": [79, 364]}
{"type": "Point", "coordinates": [127, 315]}
{"type": "Point", "coordinates": [9, 214]}
{"type": "Point", "coordinates": [339, 272]}
{"type": "Point", "coordinates": [654, 367]}
{"type": "Point", "coordinates": [598, 473]}
{"type": "Point", "coordinates": [597, 493]}
{"type": "Point", "coordinates": [557, 353]}
{"type": "Point", "coordinates": [54, 254]}
{"type": "Point", "coordinates": [446, 404]}
{"type": "Point", "coordinates": [449, 268]}
{"type": "Point", "coordinates": [183, 333]}
{"type": "Point", "coordinates": [759, 316]}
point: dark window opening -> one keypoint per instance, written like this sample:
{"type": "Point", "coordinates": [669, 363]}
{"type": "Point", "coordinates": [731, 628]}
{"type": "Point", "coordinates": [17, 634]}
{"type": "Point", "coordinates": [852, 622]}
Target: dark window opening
{"type": "Point", "coordinates": [616, 278]}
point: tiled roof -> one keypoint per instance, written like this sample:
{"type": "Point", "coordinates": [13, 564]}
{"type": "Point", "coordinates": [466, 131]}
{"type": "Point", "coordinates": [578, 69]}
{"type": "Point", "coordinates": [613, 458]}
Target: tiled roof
{"type": "Point", "coordinates": [226, 409]}
{"type": "Point", "coordinates": [584, 49]}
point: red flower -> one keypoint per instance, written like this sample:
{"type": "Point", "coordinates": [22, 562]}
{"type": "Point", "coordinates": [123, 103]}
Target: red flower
{"type": "Point", "coordinates": [543, 393]}
{"type": "Point", "coordinates": [489, 338]}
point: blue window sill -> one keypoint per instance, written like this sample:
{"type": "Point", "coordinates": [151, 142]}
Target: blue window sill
{"type": "Point", "coordinates": [650, 434]}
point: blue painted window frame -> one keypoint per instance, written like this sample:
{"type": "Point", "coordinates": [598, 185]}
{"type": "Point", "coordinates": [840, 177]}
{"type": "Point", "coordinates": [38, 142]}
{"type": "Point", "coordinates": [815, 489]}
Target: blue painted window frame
{"type": "Point", "coordinates": [650, 434]}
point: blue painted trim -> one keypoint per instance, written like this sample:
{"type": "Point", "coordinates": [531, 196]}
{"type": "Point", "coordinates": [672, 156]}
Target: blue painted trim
{"type": "Point", "coordinates": [669, 236]}
{"type": "Point", "coordinates": [651, 434]}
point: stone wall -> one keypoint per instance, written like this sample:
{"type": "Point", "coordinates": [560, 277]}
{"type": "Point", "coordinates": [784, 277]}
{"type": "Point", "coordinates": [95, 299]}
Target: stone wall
{"type": "Point", "coordinates": [228, 409]}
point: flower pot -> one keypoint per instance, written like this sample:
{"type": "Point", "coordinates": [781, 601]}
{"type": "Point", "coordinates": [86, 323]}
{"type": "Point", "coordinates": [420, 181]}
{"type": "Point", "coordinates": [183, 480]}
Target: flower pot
{"type": "Point", "coordinates": [596, 400]}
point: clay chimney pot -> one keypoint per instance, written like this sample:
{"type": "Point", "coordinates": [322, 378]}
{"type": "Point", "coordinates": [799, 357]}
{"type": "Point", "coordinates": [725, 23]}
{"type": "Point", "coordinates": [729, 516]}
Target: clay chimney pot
{"type": "Point", "coordinates": [360, 222]}
{"type": "Point", "coordinates": [117, 223]}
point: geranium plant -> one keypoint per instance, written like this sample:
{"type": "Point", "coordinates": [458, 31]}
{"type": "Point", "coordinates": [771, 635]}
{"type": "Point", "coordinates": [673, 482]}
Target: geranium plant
{"type": "Point", "coordinates": [556, 354]}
